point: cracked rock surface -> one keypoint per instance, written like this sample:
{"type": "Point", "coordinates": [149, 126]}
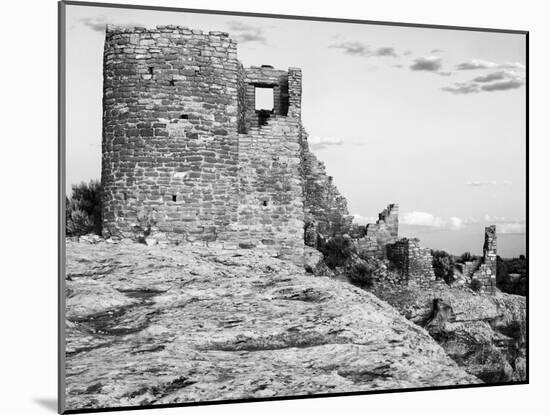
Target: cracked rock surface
{"type": "Point", "coordinates": [154, 324]}
{"type": "Point", "coordinates": [486, 334]}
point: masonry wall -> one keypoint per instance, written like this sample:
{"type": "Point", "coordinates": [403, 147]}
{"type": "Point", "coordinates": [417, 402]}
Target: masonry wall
{"type": "Point", "coordinates": [486, 274]}
{"type": "Point", "coordinates": [373, 241]}
{"type": "Point", "coordinates": [413, 261]}
{"type": "Point", "coordinates": [170, 144]}
{"type": "Point", "coordinates": [326, 210]}
{"type": "Point", "coordinates": [187, 157]}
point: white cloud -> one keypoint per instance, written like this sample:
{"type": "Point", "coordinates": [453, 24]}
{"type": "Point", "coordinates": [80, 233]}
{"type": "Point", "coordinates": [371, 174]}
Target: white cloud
{"type": "Point", "coordinates": [422, 219]}
{"type": "Point", "coordinates": [495, 219]}
{"type": "Point", "coordinates": [456, 223]}
{"type": "Point", "coordinates": [322, 142]}
{"type": "Point", "coordinates": [489, 183]}
{"type": "Point", "coordinates": [511, 228]}
{"type": "Point", "coordinates": [483, 64]}
{"type": "Point", "coordinates": [363, 220]}
{"type": "Point", "coordinates": [425, 219]}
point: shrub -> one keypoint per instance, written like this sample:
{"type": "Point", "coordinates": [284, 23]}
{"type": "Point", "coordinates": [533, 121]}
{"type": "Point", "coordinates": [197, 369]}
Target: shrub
{"type": "Point", "coordinates": [502, 271]}
{"type": "Point", "coordinates": [475, 285]}
{"type": "Point", "coordinates": [83, 209]}
{"type": "Point", "coordinates": [443, 264]}
{"type": "Point", "coordinates": [362, 273]}
{"type": "Point", "coordinates": [337, 251]}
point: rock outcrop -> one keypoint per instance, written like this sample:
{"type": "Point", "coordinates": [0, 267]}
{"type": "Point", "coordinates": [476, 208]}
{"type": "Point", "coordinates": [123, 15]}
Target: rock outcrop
{"type": "Point", "coordinates": [484, 333]}
{"type": "Point", "coordinates": [154, 325]}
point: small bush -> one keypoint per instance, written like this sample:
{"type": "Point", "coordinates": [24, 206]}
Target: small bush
{"type": "Point", "coordinates": [362, 274]}
{"type": "Point", "coordinates": [83, 209]}
{"type": "Point", "coordinates": [337, 251]}
{"type": "Point", "coordinates": [443, 264]}
{"type": "Point", "coordinates": [475, 285]}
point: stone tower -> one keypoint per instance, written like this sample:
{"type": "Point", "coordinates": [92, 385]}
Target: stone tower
{"type": "Point", "coordinates": [486, 274]}
{"type": "Point", "coordinates": [187, 154]}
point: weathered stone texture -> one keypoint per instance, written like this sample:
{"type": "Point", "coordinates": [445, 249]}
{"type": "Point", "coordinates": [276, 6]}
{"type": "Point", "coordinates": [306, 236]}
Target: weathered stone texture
{"type": "Point", "coordinates": [373, 239]}
{"type": "Point", "coordinates": [188, 158]}
{"type": "Point", "coordinates": [326, 210]}
{"type": "Point", "coordinates": [170, 144]}
{"type": "Point", "coordinates": [413, 261]}
{"type": "Point", "coordinates": [204, 324]}
{"type": "Point", "coordinates": [271, 210]}
{"type": "Point", "coordinates": [486, 274]}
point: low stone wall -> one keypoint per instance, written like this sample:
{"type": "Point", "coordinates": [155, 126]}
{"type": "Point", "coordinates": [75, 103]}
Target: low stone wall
{"type": "Point", "coordinates": [412, 260]}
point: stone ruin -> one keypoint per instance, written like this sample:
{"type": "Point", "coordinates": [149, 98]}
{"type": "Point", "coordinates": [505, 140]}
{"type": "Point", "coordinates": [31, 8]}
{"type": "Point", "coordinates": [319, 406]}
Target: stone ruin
{"type": "Point", "coordinates": [413, 262]}
{"type": "Point", "coordinates": [190, 155]}
{"type": "Point", "coordinates": [482, 273]}
{"type": "Point", "coordinates": [374, 237]}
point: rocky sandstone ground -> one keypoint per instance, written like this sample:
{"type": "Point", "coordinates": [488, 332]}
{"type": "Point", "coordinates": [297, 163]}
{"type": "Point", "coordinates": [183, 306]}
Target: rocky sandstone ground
{"type": "Point", "coordinates": [155, 325]}
{"type": "Point", "coordinates": [486, 334]}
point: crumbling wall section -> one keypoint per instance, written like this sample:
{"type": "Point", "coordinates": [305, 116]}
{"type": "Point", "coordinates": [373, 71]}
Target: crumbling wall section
{"type": "Point", "coordinates": [486, 274]}
{"type": "Point", "coordinates": [326, 210]}
{"type": "Point", "coordinates": [413, 261]}
{"type": "Point", "coordinates": [375, 236]}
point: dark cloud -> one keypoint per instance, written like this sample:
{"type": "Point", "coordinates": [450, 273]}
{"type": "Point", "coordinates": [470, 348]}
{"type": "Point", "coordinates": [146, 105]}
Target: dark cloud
{"type": "Point", "coordinates": [494, 76]}
{"type": "Point", "coordinates": [436, 51]}
{"type": "Point", "coordinates": [245, 33]}
{"type": "Point", "coordinates": [503, 85]}
{"type": "Point", "coordinates": [494, 81]}
{"type": "Point", "coordinates": [430, 64]}
{"type": "Point", "coordinates": [353, 48]}
{"type": "Point", "coordinates": [462, 88]}
{"type": "Point", "coordinates": [475, 64]}
{"type": "Point", "coordinates": [386, 51]}
{"type": "Point", "coordinates": [360, 49]}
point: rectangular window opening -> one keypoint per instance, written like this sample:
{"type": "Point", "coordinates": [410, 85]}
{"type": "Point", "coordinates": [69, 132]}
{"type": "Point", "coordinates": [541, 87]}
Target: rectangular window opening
{"type": "Point", "coordinates": [263, 98]}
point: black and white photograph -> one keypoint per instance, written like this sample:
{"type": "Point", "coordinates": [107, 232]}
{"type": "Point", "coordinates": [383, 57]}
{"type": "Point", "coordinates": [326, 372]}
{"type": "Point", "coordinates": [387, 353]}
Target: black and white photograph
{"type": "Point", "coordinates": [267, 207]}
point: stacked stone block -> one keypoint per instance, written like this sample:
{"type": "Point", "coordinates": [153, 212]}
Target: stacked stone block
{"type": "Point", "coordinates": [170, 144]}
{"type": "Point", "coordinates": [378, 235]}
{"type": "Point", "coordinates": [274, 79]}
{"type": "Point", "coordinates": [413, 261]}
{"type": "Point", "coordinates": [486, 274]}
{"type": "Point", "coordinates": [271, 207]}
{"type": "Point", "coordinates": [186, 156]}
{"type": "Point", "coordinates": [326, 211]}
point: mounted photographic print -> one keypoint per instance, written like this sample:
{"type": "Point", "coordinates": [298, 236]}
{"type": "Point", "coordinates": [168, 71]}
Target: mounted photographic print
{"type": "Point", "coordinates": [260, 207]}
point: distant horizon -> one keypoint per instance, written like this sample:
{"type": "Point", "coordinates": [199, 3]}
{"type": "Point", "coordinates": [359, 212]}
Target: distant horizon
{"type": "Point", "coordinates": [435, 123]}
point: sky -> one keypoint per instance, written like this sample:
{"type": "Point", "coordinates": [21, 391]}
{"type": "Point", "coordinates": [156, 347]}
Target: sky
{"type": "Point", "coordinates": [431, 119]}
